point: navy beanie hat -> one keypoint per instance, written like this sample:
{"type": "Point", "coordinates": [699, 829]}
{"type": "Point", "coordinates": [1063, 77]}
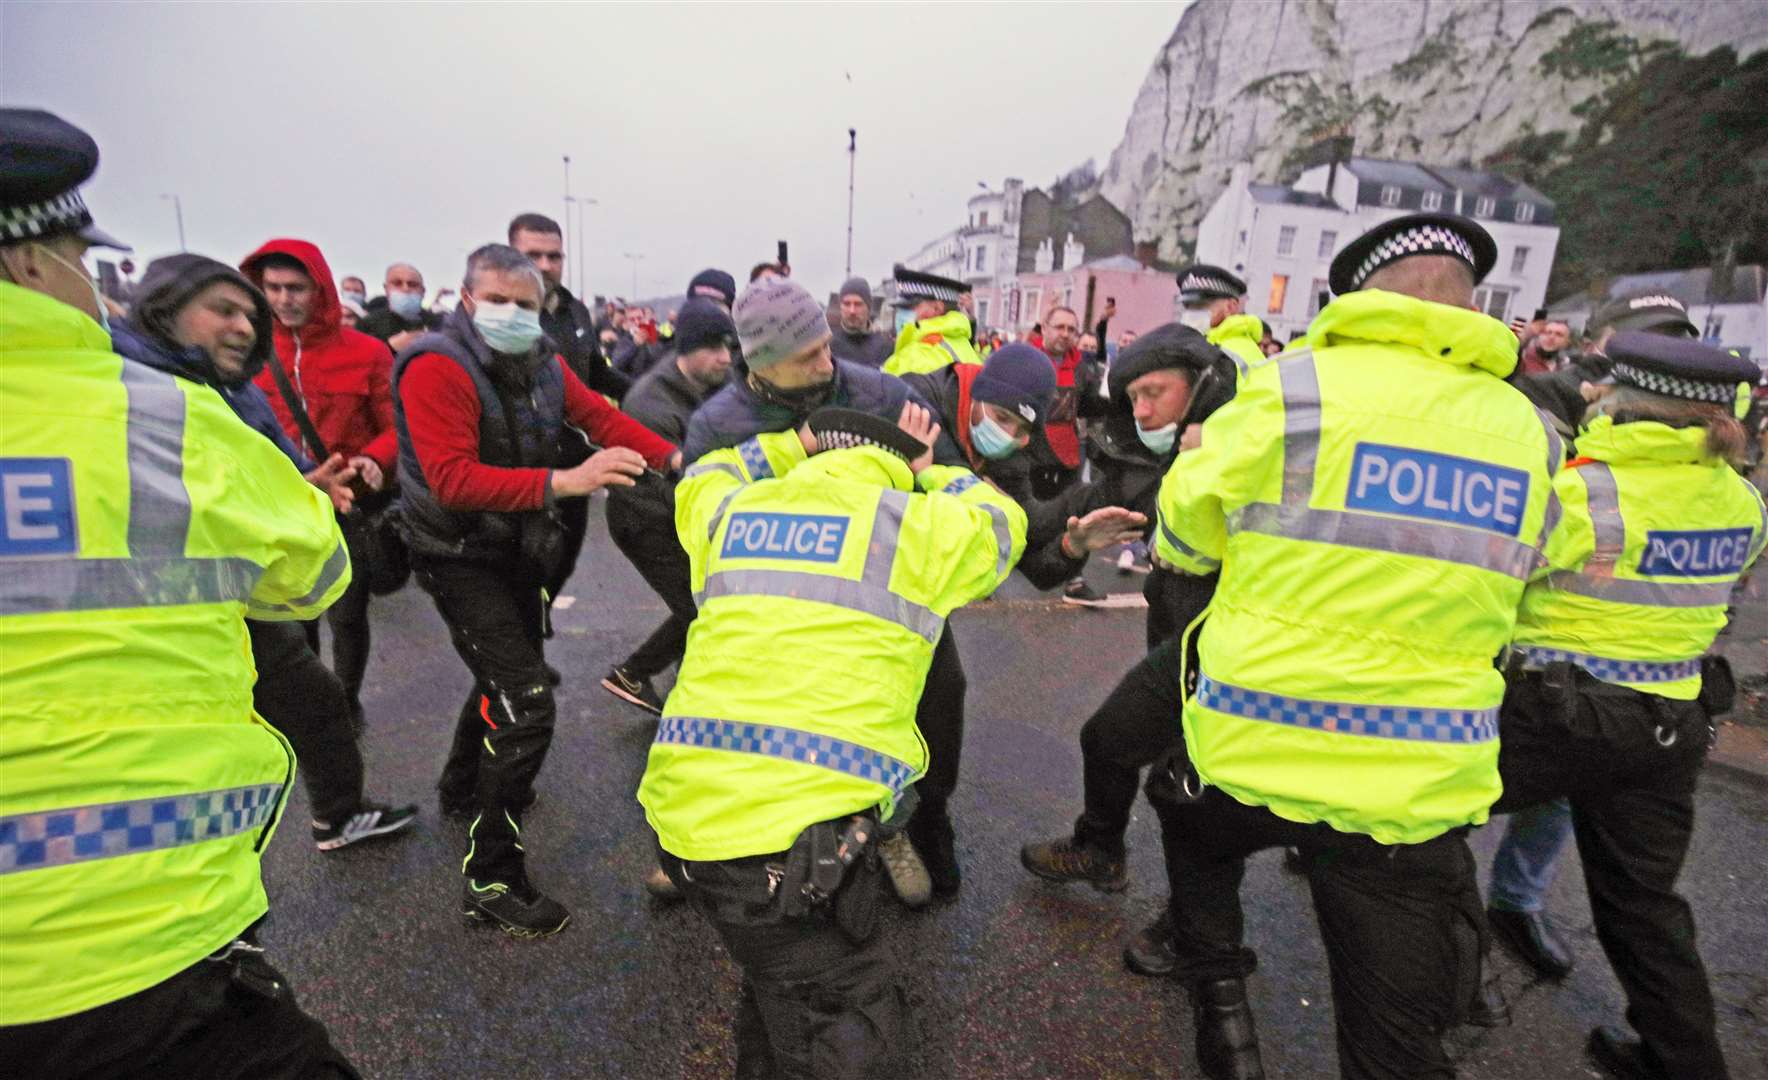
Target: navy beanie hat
{"type": "Point", "coordinates": [1018, 378]}
{"type": "Point", "coordinates": [715, 285]}
{"type": "Point", "coordinates": [700, 324]}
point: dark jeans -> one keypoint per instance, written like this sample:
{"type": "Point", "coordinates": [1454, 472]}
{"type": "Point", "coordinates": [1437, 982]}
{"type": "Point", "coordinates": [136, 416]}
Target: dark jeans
{"type": "Point", "coordinates": [306, 703]}
{"type": "Point", "coordinates": [348, 620]}
{"type": "Point", "coordinates": [815, 1003]}
{"type": "Point", "coordinates": [199, 1023]}
{"type": "Point", "coordinates": [649, 542]}
{"type": "Point", "coordinates": [1134, 726]}
{"type": "Point", "coordinates": [1632, 801]}
{"type": "Point", "coordinates": [495, 619]}
{"type": "Point", "coordinates": [940, 716]}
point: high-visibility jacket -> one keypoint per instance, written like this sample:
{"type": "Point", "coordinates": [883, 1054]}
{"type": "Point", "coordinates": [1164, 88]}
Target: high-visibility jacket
{"type": "Point", "coordinates": [142, 522]}
{"type": "Point", "coordinates": [931, 345]}
{"type": "Point", "coordinates": [823, 586]}
{"type": "Point", "coordinates": [1239, 337]}
{"type": "Point", "coordinates": [1375, 505]}
{"type": "Point", "coordinates": [1655, 535]}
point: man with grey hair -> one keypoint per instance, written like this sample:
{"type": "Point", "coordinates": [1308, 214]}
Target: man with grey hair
{"type": "Point", "coordinates": [854, 339]}
{"type": "Point", "coordinates": [480, 406]}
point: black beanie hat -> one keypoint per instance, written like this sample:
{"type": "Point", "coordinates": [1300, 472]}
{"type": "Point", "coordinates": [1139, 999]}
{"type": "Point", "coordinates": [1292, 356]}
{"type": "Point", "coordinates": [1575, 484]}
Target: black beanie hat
{"type": "Point", "coordinates": [1174, 346]}
{"type": "Point", "coordinates": [844, 429]}
{"type": "Point", "coordinates": [701, 324]}
{"type": "Point", "coordinates": [714, 284]}
{"type": "Point", "coordinates": [1018, 378]}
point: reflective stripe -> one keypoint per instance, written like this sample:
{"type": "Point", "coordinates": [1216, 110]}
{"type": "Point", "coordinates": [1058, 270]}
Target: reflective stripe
{"type": "Point", "coordinates": [1375, 532]}
{"type": "Point", "coordinates": [1610, 670]}
{"type": "Point", "coordinates": [72, 584]}
{"type": "Point", "coordinates": [949, 351]}
{"type": "Point", "coordinates": [1379, 721]}
{"type": "Point", "coordinates": [1762, 535]}
{"type": "Point", "coordinates": [1555, 458]}
{"type": "Point", "coordinates": [49, 838]}
{"type": "Point", "coordinates": [1605, 514]}
{"type": "Point", "coordinates": [1187, 550]}
{"type": "Point", "coordinates": [789, 744]}
{"type": "Point", "coordinates": [1003, 534]}
{"type": "Point", "coordinates": [718, 515]}
{"type": "Point", "coordinates": [886, 534]}
{"type": "Point", "coordinates": [861, 596]}
{"type": "Point", "coordinates": [334, 568]}
{"type": "Point", "coordinates": [159, 503]}
{"type": "Point", "coordinates": [755, 459]}
{"type": "Point", "coordinates": [1301, 427]}
{"type": "Point", "coordinates": [1239, 361]}
{"type": "Point", "coordinates": [703, 467]}
{"type": "Point", "coordinates": [1672, 594]}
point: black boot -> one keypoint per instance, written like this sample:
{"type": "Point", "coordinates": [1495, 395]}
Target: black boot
{"type": "Point", "coordinates": [1623, 1056]}
{"type": "Point", "coordinates": [931, 833]}
{"type": "Point", "coordinates": [1528, 935]}
{"type": "Point", "coordinates": [1227, 1045]}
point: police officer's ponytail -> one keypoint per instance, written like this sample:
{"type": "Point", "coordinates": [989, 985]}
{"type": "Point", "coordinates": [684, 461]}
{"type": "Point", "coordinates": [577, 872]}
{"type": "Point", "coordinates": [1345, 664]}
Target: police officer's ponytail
{"type": "Point", "coordinates": [1726, 437]}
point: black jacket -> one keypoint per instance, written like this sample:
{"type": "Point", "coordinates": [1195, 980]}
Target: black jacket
{"type": "Point", "coordinates": [572, 328]}
{"type": "Point", "coordinates": [869, 347]}
{"type": "Point", "coordinates": [664, 399]}
{"type": "Point", "coordinates": [379, 321]}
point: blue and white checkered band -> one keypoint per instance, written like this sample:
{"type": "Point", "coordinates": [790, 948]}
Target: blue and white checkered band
{"type": "Point", "coordinates": [1208, 285]}
{"type": "Point", "coordinates": [921, 290]}
{"type": "Point", "coordinates": [1675, 386]}
{"type": "Point", "coordinates": [63, 213]}
{"type": "Point", "coordinates": [1418, 240]}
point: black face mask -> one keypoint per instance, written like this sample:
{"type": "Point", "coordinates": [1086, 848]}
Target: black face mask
{"type": "Point", "coordinates": [802, 400]}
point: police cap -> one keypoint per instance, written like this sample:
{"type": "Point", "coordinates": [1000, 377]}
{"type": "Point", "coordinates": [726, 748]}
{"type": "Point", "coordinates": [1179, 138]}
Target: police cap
{"type": "Point", "coordinates": [913, 286]}
{"type": "Point", "coordinates": [1200, 283]}
{"type": "Point", "coordinates": [1680, 368]}
{"type": "Point", "coordinates": [1657, 311]}
{"type": "Point", "coordinates": [43, 161]}
{"type": "Point", "coordinates": [1409, 235]}
{"type": "Point", "coordinates": [843, 429]}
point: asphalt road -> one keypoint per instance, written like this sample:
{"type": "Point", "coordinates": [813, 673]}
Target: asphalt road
{"type": "Point", "coordinates": [1018, 978]}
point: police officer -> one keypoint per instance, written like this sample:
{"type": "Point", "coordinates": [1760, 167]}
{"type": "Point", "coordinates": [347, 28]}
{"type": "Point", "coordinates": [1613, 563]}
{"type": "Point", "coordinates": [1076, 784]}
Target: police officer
{"type": "Point", "coordinates": [1215, 306]}
{"type": "Point", "coordinates": [142, 522]}
{"type": "Point", "coordinates": [823, 583]}
{"type": "Point", "coordinates": [1373, 550]}
{"type": "Point", "coordinates": [941, 332]}
{"type": "Point", "coordinates": [1611, 691]}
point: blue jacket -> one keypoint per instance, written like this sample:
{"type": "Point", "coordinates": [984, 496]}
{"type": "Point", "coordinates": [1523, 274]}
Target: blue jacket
{"type": "Point", "coordinates": [735, 413]}
{"type": "Point", "coordinates": [245, 399]}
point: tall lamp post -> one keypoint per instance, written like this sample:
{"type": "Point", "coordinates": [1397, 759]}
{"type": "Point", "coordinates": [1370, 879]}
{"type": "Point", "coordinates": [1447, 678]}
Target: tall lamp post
{"type": "Point", "coordinates": [852, 152]}
{"type": "Point", "coordinates": [578, 252]}
{"type": "Point", "coordinates": [636, 259]}
{"type": "Point", "coordinates": [178, 209]}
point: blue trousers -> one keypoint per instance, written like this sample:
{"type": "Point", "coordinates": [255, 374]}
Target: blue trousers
{"type": "Point", "coordinates": [1528, 856]}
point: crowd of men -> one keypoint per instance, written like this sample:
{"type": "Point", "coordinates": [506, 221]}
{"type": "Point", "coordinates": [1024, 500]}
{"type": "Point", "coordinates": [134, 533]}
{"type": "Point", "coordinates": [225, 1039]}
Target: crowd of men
{"type": "Point", "coordinates": [1368, 555]}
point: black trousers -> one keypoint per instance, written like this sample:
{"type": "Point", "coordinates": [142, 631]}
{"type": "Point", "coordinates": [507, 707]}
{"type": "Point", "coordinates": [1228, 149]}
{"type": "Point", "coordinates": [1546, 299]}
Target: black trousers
{"type": "Point", "coordinates": [649, 542]}
{"type": "Point", "coordinates": [495, 618]}
{"type": "Point", "coordinates": [940, 716]}
{"type": "Point", "coordinates": [816, 1003]}
{"type": "Point", "coordinates": [307, 704]}
{"type": "Point", "coordinates": [574, 516]}
{"type": "Point", "coordinates": [199, 1023]}
{"type": "Point", "coordinates": [1628, 762]}
{"type": "Point", "coordinates": [348, 621]}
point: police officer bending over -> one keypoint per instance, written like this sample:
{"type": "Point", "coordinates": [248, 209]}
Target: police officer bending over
{"type": "Point", "coordinates": [1611, 694]}
{"type": "Point", "coordinates": [823, 582]}
{"type": "Point", "coordinates": [1374, 505]}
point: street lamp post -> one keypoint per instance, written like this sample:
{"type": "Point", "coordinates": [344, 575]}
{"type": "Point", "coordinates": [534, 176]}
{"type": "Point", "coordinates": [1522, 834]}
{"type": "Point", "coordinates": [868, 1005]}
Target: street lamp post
{"type": "Point", "coordinates": [578, 250]}
{"type": "Point", "coordinates": [575, 255]}
{"type": "Point", "coordinates": [178, 209]}
{"type": "Point", "coordinates": [636, 259]}
{"type": "Point", "coordinates": [852, 151]}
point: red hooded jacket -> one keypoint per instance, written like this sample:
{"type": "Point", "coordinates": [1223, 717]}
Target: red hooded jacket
{"type": "Point", "coordinates": [344, 377]}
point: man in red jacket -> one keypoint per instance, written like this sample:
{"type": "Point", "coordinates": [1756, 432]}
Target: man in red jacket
{"type": "Point", "coordinates": [343, 380]}
{"type": "Point", "coordinates": [482, 407]}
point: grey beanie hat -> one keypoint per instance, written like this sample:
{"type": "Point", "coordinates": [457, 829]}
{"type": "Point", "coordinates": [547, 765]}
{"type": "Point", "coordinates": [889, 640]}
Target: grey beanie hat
{"type": "Point", "coordinates": [776, 319]}
{"type": "Point", "coordinates": [856, 286]}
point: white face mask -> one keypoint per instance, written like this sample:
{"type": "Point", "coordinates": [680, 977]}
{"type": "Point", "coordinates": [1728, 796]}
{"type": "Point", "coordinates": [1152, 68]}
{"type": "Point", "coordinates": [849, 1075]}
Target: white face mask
{"type": "Point", "coordinates": [1197, 319]}
{"type": "Point", "coordinates": [103, 313]}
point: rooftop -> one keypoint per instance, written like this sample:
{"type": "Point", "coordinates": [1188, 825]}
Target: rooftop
{"type": "Point", "coordinates": [1748, 285]}
{"type": "Point", "coordinates": [1276, 193]}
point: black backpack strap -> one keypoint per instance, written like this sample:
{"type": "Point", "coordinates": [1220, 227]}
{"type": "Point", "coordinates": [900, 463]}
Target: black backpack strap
{"type": "Point", "coordinates": [309, 434]}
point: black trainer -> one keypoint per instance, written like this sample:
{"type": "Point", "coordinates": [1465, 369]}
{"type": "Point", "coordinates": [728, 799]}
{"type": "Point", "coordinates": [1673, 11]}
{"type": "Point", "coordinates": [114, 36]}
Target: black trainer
{"type": "Point", "coordinates": [1227, 1043]}
{"type": "Point", "coordinates": [1067, 859]}
{"type": "Point", "coordinates": [1151, 952]}
{"type": "Point", "coordinates": [519, 909]}
{"type": "Point", "coordinates": [937, 844]}
{"type": "Point", "coordinates": [637, 691]}
{"type": "Point", "coordinates": [1079, 592]}
{"type": "Point", "coordinates": [369, 821]}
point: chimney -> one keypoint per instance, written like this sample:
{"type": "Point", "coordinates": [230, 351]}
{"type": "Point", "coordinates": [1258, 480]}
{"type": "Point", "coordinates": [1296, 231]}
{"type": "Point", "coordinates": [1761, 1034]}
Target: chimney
{"type": "Point", "coordinates": [1145, 251]}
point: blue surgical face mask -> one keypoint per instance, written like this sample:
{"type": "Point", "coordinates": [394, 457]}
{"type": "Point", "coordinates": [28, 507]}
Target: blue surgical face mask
{"type": "Point", "coordinates": [507, 328]}
{"type": "Point", "coordinates": [1160, 439]}
{"type": "Point", "coordinates": [992, 440]}
{"type": "Point", "coordinates": [406, 305]}
{"type": "Point", "coordinates": [352, 294]}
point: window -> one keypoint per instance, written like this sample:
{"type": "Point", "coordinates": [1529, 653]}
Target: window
{"type": "Point", "coordinates": [982, 312]}
{"type": "Point", "coordinates": [1286, 240]}
{"type": "Point", "coordinates": [1032, 305]}
{"type": "Point", "coordinates": [982, 219]}
{"type": "Point", "coordinates": [1433, 200]}
{"type": "Point", "coordinates": [1485, 206]}
{"type": "Point", "coordinates": [1328, 241]}
{"type": "Point", "coordinates": [1494, 301]}
{"type": "Point", "coordinates": [1279, 287]}
{"type": "Point", "coordinates": [982, 259]}
{"type": "Point", "coordinates": [1390, 195]}
{"type": "Point", "coordinates": [1243, 238]}
{"type": "Point", "coordinates": [1525, 212]}
{"type": "Point", "coordinates": [1322, 293]}
{"type": "Point", "coordinates": [1519, 259]}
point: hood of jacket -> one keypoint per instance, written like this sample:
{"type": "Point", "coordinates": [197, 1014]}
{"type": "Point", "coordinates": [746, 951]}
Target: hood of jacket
{"type": "Point", "coordinates": [1644, 441]}
{"type": "Point", "coordinates": [325, 323]}
{"type": "Point", "coordinates": [1450, 335]}
{"type": "Point", "coordinates": [857, 465]}
{"type": "Point", "coordinates": [170, 283]}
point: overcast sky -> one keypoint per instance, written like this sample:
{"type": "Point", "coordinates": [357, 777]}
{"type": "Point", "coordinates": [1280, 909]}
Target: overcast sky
{"type": "Point", "coordinates": [414, 132]}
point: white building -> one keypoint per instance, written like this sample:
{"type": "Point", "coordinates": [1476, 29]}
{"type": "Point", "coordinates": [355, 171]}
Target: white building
{"type": "Point", "coordinates": [1729, 309]}
{"type": "Point", "coordinates": [1280, 240]}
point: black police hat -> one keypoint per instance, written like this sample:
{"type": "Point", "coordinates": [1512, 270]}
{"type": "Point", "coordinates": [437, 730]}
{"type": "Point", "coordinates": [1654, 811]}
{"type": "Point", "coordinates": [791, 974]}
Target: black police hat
{"type": "Point", "coordinates": [43, 161]}
{"type": "Point", "coordinates": [1643, 311]}
{"type": "Point", "coordinates": [843, 429]}
{"type": "Point", "coordinates": [1201, 282]}
{"type": "Point", "coordinates": [1409, 235]}
{"type": "Point", "coordinates": [913, 286]}
{"type": "Point", "coordinates": [1680, 368]}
